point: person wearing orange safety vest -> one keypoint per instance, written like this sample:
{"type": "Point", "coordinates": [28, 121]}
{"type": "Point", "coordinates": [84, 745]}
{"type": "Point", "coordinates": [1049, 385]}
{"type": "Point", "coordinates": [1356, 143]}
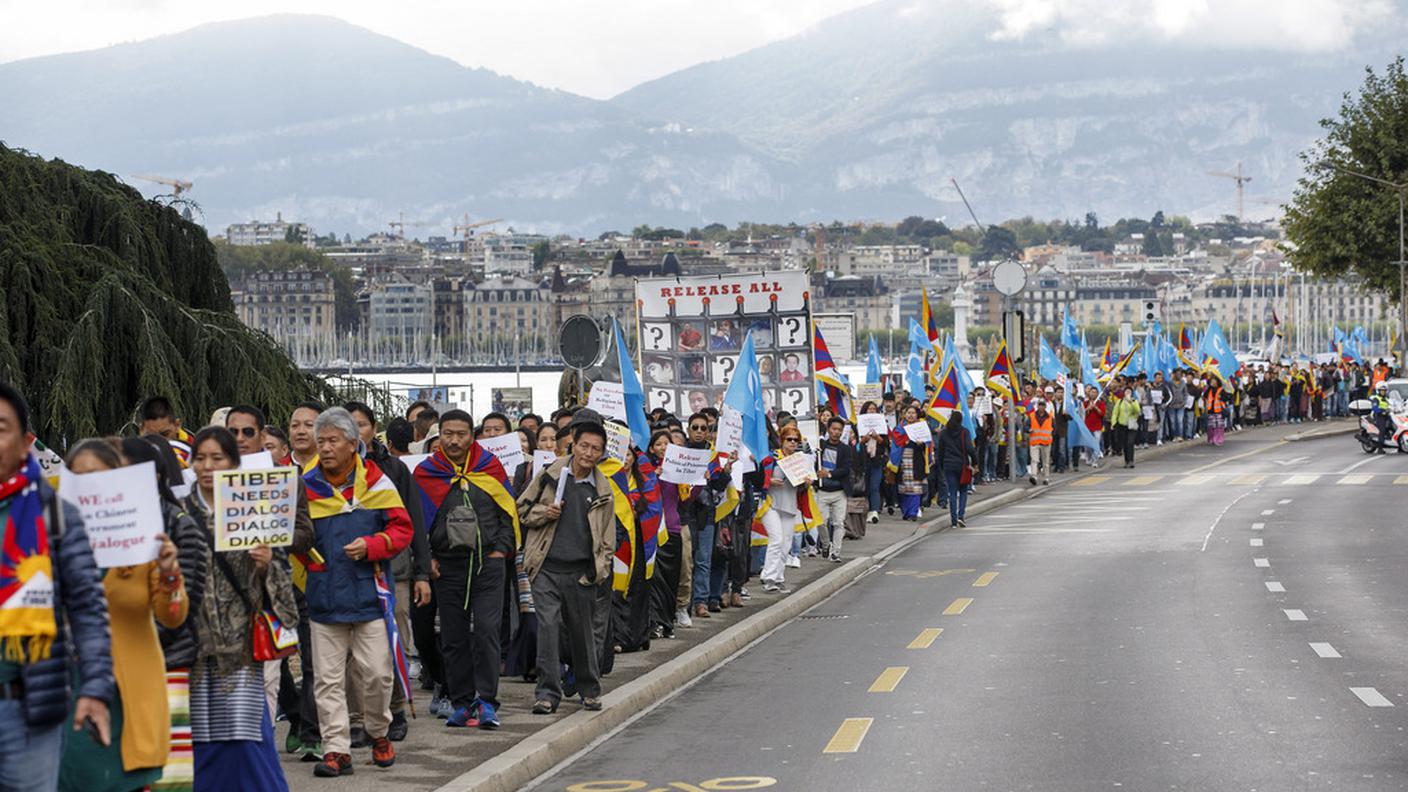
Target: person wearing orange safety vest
{"type": "Point", "coordinates": [1041, 432]}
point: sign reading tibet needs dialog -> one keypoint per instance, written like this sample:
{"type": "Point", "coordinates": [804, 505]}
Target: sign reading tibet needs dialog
{"type": "Point", "coordinates": [121, 512]}
{"type": "Point", "coordinates": [255, 507]}
{"type": "Point", "coordinates": [685, 465]}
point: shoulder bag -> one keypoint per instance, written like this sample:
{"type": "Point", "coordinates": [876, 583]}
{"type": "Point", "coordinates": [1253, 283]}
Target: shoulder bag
{"type": "Point", "coordinates": [270, 639]}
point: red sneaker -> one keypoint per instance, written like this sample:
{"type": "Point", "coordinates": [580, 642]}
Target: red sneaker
{"type": "Point", "coordinates": [333, 765]}
{"type": "Point", "coordinates": [383, 755]}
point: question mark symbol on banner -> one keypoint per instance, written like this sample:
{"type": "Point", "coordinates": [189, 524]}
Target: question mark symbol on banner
{"type": "Point", "coordinates": [659, 336]}
{"type": "Point", "coordinates": [798, 397]}
{"type": "Point", "coordinates": [796, 326]}
{"type": "Point", "coordinates": [727, 364]}
{"type": "Point", "coordinates": [665, 398]}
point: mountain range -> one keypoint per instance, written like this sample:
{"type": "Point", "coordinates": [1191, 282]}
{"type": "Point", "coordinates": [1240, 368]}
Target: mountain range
{"type": "Point", "coordinates": [867, 115]}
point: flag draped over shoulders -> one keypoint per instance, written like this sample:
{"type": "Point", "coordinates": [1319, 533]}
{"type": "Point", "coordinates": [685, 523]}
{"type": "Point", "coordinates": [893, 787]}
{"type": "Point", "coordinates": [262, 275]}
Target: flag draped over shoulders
{"type": "Point", "coordinates": [436, 475]}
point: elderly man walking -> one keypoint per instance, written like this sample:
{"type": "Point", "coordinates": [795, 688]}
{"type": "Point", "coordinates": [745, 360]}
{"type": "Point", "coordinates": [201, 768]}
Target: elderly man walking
{"type": "Point", "coordinates": [359, 525]}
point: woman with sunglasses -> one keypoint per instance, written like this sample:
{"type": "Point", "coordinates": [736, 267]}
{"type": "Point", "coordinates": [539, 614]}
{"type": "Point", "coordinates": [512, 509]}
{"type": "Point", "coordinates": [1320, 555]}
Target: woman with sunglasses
{"type": "Point", "coordinates": [779, 512]}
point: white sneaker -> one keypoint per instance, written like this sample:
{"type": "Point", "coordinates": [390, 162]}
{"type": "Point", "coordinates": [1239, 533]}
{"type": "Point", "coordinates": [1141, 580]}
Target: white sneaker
{"type": "Point", "coordinates": [872, 518]}
{"type": "Point", "coordinates": [682, 618]}
{"type": "Point", "coordinates": [794, 562]}
{"type": "Point", "coordinates": [918, 514]}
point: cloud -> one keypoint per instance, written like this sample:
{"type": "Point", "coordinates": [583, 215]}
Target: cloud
{"type": "Point", "coordinates": [1296, 25]}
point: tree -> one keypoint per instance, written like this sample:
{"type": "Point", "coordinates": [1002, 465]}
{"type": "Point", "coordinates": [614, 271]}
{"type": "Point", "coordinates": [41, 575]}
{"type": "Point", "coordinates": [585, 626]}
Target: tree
{"type": "Point", "coordinates": [110, 298]}
{"type": "Point", "coordinates": [1158, 220]}
{"type": "Point", "coordinates": [1342, 224]}
{"type": "Point", "coordinates": [998, 243]}
{"type": "Point", "coordinates": [541, 252]}
{"type": "Point", "coordinates": [294, 235]}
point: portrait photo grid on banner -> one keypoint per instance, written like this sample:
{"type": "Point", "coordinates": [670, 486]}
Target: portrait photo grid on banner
{"type": "Point", "coordinates": [691, 331]}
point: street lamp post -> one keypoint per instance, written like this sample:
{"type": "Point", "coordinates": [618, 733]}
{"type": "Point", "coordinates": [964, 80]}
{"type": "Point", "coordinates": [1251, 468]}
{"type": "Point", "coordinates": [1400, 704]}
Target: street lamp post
{"type": "Point", "coordinates": [1402, 189]}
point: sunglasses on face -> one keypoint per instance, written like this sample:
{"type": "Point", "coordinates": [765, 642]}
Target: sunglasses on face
{"type": "Point", "coordinates": [246, 431]}
{"type": "Point", "coordinates": [698, 428]}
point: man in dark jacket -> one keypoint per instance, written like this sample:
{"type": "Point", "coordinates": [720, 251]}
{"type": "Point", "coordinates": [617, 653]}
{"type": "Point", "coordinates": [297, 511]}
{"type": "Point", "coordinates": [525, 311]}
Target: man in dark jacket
{"type": "Point", "coordinates": [36, 687]}
{"type": "Point", "coordinates": [471, 520]}
{"type": "Point", "coordinates": [834, 459]}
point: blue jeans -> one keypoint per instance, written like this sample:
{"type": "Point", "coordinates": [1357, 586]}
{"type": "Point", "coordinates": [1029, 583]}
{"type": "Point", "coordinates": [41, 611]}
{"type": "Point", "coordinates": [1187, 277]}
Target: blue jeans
{"type": "Point", "coordinates": [703, 541]}
{"type": "Point", "coordinates": [957, 495]}
{"type": "Point", "coordinates": [29, 756]}
{"type": "Point", "coordinates": [873, 479]}
{"type": "Point", "coordinates": [990, 462]}
{"type": "Point", "coordinates": [1174, 417]}
{"type": "Point", "coordinates": [1024, 458]}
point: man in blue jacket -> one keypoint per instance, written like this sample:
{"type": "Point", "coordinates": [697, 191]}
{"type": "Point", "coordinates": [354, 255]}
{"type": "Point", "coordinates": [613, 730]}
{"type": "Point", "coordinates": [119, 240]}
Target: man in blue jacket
{"type": "Point", "coordinates": [42, 534]}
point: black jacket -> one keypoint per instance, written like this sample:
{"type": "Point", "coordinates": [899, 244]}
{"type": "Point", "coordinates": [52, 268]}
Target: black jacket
{"type": "Point", "coordinates": [955, 452]}
{"type": "Point", "coordinates": [413, 563]}
{"type": "Point", "coordinates": [495, 526]}
{"type": "Point", "coordinates": [193, 542]}
{"type": "Point", "coordinates": [839, 479]}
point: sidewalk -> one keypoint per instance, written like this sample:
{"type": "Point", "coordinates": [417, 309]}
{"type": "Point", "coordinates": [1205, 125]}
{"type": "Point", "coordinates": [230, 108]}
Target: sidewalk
{"type": "Point", "coordinates": [462, 760]}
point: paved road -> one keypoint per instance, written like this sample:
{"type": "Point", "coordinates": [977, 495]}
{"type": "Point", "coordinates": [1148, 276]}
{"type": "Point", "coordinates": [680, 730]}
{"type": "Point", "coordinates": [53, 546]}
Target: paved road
{"type": "Point", "coordinates": [1218, 620]}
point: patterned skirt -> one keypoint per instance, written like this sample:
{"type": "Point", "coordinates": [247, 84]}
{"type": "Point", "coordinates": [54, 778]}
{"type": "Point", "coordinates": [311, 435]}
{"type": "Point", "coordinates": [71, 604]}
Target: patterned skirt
{"type": "Point", "coordinates": [179, 773]}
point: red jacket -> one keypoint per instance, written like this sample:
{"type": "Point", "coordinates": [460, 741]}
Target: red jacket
{"type": "Point", "coordinates": [1095, 415]}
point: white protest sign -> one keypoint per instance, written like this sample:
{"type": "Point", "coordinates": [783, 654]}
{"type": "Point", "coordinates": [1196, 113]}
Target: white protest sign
{"type": "Point", "coordinates": [685, 465]}
{"type": "Point", "coordinates": [919, 432]}
{"type": "Point", "coordinates": [508, 448]}
{"type": "Point", "coordinates": [811, 431]}
{"type": "Point", "coordinates": [121, 512]}
{"type": "Point", "coordinates": [1156, 396]}
{"type": "Point", "coordinates": [562, 483]}
{"type": "Point", "coordinates": [870, 392]}
{"type": "Point", "coordinates": [188, 480]}
{"type": "Point", "coordinates": [412, 461]}
{"type": "Point", "coordinates": [609, 399]}
{"type": "Point", "coordinates": [259, 460]}
{"type": "Point", "coordinates": [618, 441]}
{"type": "Point", "coordinates": [872, 423]}
{"type": "Point", "coordinates": [730, 434]}
{"type": "Point", "coordinates": [255, 507]}
{"type": "Point", "coordinates": [541, 460]}
{"type": "Point", "coordinates": [983, 406]}
{"type": "Point", "coordinates": [799, 468]}
{"type": "Point", "coordinates": [845, 433]}
{"type": "Point", "coordinates": [744, 464]}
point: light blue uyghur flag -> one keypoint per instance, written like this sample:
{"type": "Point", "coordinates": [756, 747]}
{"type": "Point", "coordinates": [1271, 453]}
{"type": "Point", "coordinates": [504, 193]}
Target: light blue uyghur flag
{"type": "Point", "coordinates": [1050, 367]}
{"type": "Point", "coordinates": [914, 372]}
{"type": "Point", "coordinates": [633, 392]}
{"type": "Point", "coordinates": [1078, 435]}
{"type": "Point", "coordinates": [965, 384]}
{"type": "Point", "coordinates": [1088, 375]}
{"type": "Point", "coordinates": [745, 394]}
{"type": "Point", "coordinates": [1070, 334]}
{"type": "Point", "coordinates": [873, 368]}
{"type": "Point", "coordinates": [1217, 352]}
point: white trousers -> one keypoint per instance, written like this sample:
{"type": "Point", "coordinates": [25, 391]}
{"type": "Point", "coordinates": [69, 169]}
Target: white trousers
{"type": "Point", "coordinates": [780, 528]}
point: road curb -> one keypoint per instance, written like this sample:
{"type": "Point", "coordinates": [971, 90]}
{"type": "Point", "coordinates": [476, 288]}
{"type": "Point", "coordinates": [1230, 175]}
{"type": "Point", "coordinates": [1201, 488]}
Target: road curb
{"type": "Point", "coordinates": [1315, 434]}
{"type": "Point", "coordinates": [540, 752]}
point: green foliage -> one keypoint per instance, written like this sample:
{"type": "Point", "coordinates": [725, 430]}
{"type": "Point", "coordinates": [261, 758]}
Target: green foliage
{"type": "Point", "coordinates": [239, 261]}
{"type": "Point", "coordinates": [998, 243]}
{"type": "Point", "coordinates": [541, 252]}
{"type": "Point", "coordinates": [110, 298]}
{"type": "Point", "coordinates": [1341, 224]}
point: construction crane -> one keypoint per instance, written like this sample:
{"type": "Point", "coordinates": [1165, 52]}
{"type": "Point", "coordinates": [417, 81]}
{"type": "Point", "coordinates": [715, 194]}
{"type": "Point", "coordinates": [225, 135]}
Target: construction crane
{"type": "Point", "coordinates": [467, 227]}
{"type": "Point", "coordinates": [1241, 184]}
{"type": "Point", "coordinates": [177, 186]}
{"type": "Point", "coordinates": [399, 225]}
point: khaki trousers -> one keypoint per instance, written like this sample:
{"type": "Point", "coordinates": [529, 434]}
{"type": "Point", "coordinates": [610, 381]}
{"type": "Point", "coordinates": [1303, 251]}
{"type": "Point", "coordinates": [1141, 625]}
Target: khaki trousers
{"type": "Point", "coordinates": [366, 643]}
{"type": "Point", "coordinates": [354, 682]}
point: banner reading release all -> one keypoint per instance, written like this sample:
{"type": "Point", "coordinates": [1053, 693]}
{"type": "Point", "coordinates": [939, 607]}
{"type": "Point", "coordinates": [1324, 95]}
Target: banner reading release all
{"type": "Point", "coordinates": [691, 330]}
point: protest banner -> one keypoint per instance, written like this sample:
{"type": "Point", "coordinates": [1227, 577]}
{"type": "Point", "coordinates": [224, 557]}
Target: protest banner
{"type": "Point", "coordinates": [811, 431]}
{"type": "Point", "coordinates": [609, 399]}
{"type": "Point", "coordinates": [685, 465]}
{"type": "Point", "coordinates": [919, 432]}
{"type": "Point", "coordinates": [259, 460]}
{"type": "Point", "coordinates": [839, 330]}
{"type": "Point", "coordinates": [541, 459]}
{"type": "Point", "coordinates": [618, 441]}
{"type": "Point", "coordinates": [508, 448]}
{"type": "Point", "coordinates": [513, 402]}
{"type": "Point", "coordinates": [799, 468]}
{"type": "Point", "coordinates": [872, 423]}
{"type": "Point", "coordinates": [870, 392]}
{"type": "Point", "coordinates": [255, 507]}
{"type": "Point", "coordinates": [121, 512]}
{"type": "Point", "coordinates": [729, 437]}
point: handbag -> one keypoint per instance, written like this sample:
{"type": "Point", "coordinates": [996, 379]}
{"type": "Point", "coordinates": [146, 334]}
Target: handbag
{"type": "Point", "coordinates": [965, 476]}
{"type": "Point", "coordinates": [269, 638]}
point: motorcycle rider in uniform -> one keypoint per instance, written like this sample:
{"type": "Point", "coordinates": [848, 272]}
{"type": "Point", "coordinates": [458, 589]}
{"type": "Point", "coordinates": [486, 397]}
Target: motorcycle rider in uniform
{"type": "Point", "coordinates": [1382, 415]}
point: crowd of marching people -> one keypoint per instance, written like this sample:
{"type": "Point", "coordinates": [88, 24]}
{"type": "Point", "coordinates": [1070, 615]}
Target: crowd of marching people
{"type": "Point", "coordinates": [419, 560]}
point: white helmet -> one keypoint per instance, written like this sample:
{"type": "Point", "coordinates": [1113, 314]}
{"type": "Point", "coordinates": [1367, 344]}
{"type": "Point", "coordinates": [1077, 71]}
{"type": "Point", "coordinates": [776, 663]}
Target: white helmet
{"type": "Point", "coordinates": [1382, 386]}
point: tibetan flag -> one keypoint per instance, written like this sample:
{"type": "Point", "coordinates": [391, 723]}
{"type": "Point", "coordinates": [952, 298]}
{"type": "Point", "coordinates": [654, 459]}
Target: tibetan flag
{"type": "Point", "coordinates": [27, 623]}
{"type": "Point", "coordinates": [831, 383]}
{"type": "Point", "coordinates": [387, 598]}
{"type": "Point", "coordinates": [652, 525]}
{"type": "Point", "coordinates": [371, 489]}
{"type": "Point", "coordinates": [624, 558]}
{"type": "Point", "coordinates": [946, 397]}
{"type": "Point", "coordinates": [1000, 372]}
{"type": "Point", "coordinates": [927, 319]}
{"type": "Point", "coordinates": [437, 474]}
{"type": "Point", "coordinates": [1108, 358]}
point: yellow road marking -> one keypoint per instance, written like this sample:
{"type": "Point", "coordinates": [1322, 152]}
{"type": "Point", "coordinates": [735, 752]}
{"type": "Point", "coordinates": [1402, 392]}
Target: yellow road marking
{"type": "Point", "coordinates": [848, 737]}
{"type": "Point", "coordinates": [1089, 480]}
{"type": "Point", "coordinates": [1142, 481]}
{"type": "Point", "coordinates": [1191, 480]}
{"type": "Point", "coordinates": [1356, 478]}
{"type": "Point", "coordinates": [1239, 456]}
{"type": "Point", "coordinates": [1301, 479]}
{"type": "Point", "coordinates": [958, 606]}
{"type": "Point", "coordinates": [926, 638]}
{"type": "Point", "coordinates": [984, 579]}
{"type": "Point", "coordinates": [1250, 478]}
{"type": "Point", "coordinates": [1401, 480]}
{"type": "Point", "coordinates": [888, 680]}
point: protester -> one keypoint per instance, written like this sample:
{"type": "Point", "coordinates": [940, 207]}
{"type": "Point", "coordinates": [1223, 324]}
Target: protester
{"type": "Point", "coordinates": [779, 513]}
{"type": "Point", "coordinates": [246, 423]}
{"type": "Point", "coordinates": [956, 454]}
{"type": "Point", "coordinates": [359, 525]}
{"type": "Point", "coordinates": [913, 472]}
{"type": "Point", "coordinates": [1041, 437]}
{"type": "Point", "coordinates": [231, 727]}
{"type": "Point", "coordinates": [834, 463]}
{"type": "Point", "coordinates": [36, 641]}
{"type": "Point", "coordinates": [159, 418]}
{"type": "Point", "coordinates": [303, 446]}
{"type": "Point", "coordinates": [138, 597]}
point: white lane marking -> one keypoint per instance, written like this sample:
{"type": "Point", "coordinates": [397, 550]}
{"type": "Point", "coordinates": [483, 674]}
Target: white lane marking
{"type": "Point", "coordinates": [1295, 614]}
{"type": "Point", "coordinates": [1275, 586]}
{"type": "Point", "coordinates": [1220, 515]}
{"type": "Point", "coordinates": [1284, 501]}
{"type": "Point", "coordinates": [1267, 512]}
{"type": "Point", "coordinates": [1087, 507]}
{"type": "Point", "coordinates": [1256, 542]}
{"type": "Point", "coordinates": [1356, 478]}
{"type": "Point", "coordinates": [1261, 562]}
{"type": "Point", "coordinates": [1258, 526]}
{"type": "Point", "coordinates": [1324, 650]}
{"type": "Point", "coordinates": [1371, 697]}
{"type": "Point", "coordinates": [1373, 458]}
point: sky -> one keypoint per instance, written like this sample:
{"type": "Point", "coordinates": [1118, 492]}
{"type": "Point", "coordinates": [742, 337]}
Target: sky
{"type": "Point", "coordinates": [599, 48]}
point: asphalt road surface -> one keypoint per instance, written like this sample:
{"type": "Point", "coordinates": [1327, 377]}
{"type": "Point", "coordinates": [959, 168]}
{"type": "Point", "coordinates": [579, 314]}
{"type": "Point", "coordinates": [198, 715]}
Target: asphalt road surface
{"type": "Point", "coordinates": [1229, 619]}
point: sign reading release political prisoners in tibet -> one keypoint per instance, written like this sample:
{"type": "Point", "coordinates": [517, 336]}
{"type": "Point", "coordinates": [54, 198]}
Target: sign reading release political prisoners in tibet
{"type": "Point", "coordinates": [691, 330]}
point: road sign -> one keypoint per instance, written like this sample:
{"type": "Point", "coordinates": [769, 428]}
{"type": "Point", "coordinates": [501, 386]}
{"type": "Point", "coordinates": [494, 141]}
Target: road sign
{"type": "Point", "coordinates": [1009, 277]}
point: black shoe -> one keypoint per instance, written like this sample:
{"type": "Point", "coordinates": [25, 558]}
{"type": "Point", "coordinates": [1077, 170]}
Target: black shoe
{"type": "Point", "coordinates": [714, 607]}
{"type": "Point", "coordinates": [396, 732]}
{"type": "Point", "coordinates": [360, 738]}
